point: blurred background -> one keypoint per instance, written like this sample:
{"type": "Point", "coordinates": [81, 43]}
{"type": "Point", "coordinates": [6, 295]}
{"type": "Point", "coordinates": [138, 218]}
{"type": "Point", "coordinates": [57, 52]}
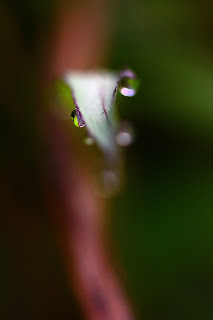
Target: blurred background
{"type": "Point", "coordinates": [160, 226]}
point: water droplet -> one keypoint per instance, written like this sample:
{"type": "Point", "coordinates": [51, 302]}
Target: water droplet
{"type": "Point", "coordinates": [124, 139]}
{"type": "Point", "coordinates": [128, 84]}
{"type": "Point", "coordinates": [125, 135]}
{"type": "Point", "coordinates": [89, 141]}
{"type": "Point", "coordinates": [77, 118]}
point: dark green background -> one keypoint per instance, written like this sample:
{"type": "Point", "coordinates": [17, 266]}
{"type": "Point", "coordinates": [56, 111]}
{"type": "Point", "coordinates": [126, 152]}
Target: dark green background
{"type": "Point", "coordinates": [163, 221]}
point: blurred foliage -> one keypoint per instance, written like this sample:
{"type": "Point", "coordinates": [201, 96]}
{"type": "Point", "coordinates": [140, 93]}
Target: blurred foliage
{"type": "Point", "coordinates": [33, 280]}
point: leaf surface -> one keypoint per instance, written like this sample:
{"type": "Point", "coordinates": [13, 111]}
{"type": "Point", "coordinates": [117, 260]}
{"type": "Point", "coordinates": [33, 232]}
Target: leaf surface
{"type": "Point", "coordinates": [94, 94]}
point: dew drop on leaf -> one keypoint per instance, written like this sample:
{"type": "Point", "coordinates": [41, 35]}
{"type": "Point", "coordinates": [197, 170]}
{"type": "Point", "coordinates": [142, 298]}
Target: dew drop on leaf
{"type": "Point", "coordinates": [128, 84]}
{"type": "Point", "coordinates": [89, 141]}
{"type": "Point", "coordinates": [77, 118]}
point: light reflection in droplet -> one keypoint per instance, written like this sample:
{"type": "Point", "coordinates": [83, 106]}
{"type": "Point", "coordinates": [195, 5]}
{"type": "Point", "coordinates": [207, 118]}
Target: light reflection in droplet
{"type": "Point", "coordinates": [127, 92]}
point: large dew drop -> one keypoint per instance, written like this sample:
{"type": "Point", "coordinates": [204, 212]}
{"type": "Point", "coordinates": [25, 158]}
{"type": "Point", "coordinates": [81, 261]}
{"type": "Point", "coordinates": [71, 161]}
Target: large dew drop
{"type": "Point", "coordinates": [128, 84]}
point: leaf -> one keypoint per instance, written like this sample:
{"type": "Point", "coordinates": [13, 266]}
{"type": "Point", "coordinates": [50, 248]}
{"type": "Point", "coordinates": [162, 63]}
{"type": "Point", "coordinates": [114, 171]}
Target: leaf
{"type": "Point", "coordinates": [93, 93]}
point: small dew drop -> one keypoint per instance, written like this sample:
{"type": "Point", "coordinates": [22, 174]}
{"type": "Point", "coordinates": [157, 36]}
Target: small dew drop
{"type": "Point", "coordinates": [77, 118]}
{"type": "Point", "coordinates": [89, 141]}
{"type": "Point", "coordinates": [124, 139]}
{"type": "Point", "coordinates": [125, 135]}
